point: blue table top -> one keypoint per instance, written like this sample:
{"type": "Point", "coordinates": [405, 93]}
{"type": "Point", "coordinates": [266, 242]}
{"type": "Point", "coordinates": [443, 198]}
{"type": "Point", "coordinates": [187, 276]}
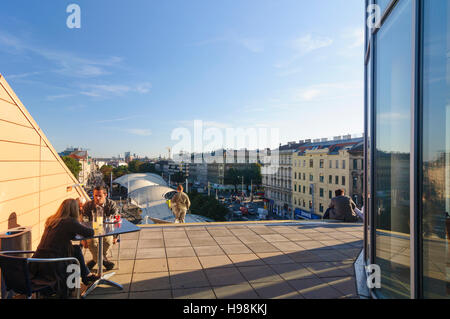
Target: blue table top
{"type": "Point", "coordinates": [110, 229]}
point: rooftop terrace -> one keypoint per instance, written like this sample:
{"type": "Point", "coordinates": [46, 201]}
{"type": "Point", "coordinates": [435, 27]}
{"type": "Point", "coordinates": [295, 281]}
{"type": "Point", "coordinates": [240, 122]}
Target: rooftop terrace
{"type": "Point", "coordinates": [237, 260]}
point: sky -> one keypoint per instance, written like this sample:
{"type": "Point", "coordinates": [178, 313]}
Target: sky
{"type": "Point", "coordinates": [136, 72]}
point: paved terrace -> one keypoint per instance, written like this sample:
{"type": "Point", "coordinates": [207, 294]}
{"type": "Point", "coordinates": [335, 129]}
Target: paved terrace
{"type": "Point", "coordinates": [246, 260]}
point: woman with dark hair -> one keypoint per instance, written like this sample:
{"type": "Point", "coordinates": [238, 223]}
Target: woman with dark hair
{"type": "Point", "coordinates": [60, 229]}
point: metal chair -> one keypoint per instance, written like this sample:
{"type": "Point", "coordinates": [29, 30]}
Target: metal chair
{"type": "Point", "coordinates": [16, 275]}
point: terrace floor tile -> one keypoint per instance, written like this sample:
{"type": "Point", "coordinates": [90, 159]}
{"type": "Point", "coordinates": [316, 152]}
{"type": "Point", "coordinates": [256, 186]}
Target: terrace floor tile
{"type": "Point", "coordinates": [213, 250]}
{"type": "Point", "coordinates": [184, 263]}
{"type": "Point", "coordinates": [188, 279]}
{"type": "Point", "coordinates": [194, 293]}
{"type": "Point", "coordinates": [242, 291]}
{"type": "Point", "coordinates": [151, 265]}
{"type": "Point", "coordinates": [150, 281]}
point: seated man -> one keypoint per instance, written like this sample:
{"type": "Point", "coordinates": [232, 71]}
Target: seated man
{"type": "Point", "coordinates": [109, 209]}
{"type": "Point", "coordinates": [342, 207]}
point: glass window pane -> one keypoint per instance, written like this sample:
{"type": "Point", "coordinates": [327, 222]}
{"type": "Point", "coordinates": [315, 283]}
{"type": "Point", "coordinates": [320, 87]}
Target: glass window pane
{"type": "Point", "coordinates": [436, 149]}
{"type": "Point", "coordinates": [383, 4]}
{"type": "Point", "coordinates": [369, 130]}
{"type": "Point", "coordinates": [392, 150]}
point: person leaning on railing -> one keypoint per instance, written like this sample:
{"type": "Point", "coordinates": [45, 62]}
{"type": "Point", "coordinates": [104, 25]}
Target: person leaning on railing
{"type": "Point", "coordinates": [180, 204]}
{"type": "Point", "coordinates": [60, 229]}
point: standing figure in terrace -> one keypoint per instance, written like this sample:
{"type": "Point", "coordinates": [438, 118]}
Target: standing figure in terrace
{"type": "Point", "coordinates": [180, 204]}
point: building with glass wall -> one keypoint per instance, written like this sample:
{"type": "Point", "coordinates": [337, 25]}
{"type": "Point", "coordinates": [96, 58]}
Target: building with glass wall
{"type": "Point", "coordinates": [407, 147]}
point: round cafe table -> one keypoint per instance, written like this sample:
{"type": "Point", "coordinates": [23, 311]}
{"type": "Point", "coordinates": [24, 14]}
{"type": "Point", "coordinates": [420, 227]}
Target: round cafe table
{"type": "Point", "coordinates": [107, 229]}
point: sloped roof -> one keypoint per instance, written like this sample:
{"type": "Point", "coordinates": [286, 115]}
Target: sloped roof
{"type": "Point", "coordinates": [333, 146]}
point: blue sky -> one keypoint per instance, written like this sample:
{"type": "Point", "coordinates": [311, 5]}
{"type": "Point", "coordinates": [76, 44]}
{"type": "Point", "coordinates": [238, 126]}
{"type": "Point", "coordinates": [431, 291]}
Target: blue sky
{"type": "Point", "coordinates": [136, 70]}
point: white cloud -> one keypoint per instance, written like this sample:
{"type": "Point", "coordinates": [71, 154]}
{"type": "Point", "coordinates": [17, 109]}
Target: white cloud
{"type": "Point", "coordinates": [21, 76]}
{"type": "Point", "coordinates": [65, 63]}
{"type": "Point", "coordinates": [206, 124]}
{"type": "Point", "coordinates": [57, 97]}
{"type": "Point", "coordinates": [139, 132]}
{"type": "Point", "coordinates": [309, 43]}
{"type": "Point", "coordinates": [302, 46]}
{"type": "Point", "coordinates": [254, 45]}
{"type": "Point", "coordinates": [355, 37]}
{"type": "Point", "coordinates": [309, 94]}
{"type": "Point", "coordinates": [117, 119]}
{"type": "Point", "coordinates": [108, 90]}
{"type": "Point", "coordinates": [328, 91]}
{"type": "Point", "coordinates": [290, 71]}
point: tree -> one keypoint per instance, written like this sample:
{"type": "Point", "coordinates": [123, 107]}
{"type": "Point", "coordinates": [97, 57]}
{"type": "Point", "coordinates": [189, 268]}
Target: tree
{"type": "Point", "coordinates": [147, 168]}
{"type": "Point", "coordinates": [232, 177]}
{"type": "Point", "coordinates": [207, 206]}
{"type": "Point", "coordinates": [253, 174]}
{"type": "Point", "coordinates": [106, 171]}
{"type": "Point", "coordinates": [134, 165]}
{"type": "Point", "coordinates": [120, 171]}
{"type": "Point", "coordinates": [73, 165]}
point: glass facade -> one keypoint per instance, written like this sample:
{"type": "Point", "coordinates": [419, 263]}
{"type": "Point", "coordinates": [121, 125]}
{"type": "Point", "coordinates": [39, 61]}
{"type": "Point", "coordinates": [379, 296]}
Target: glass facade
{"type": "Point", "coordinates": [436, 148]}
{"type": "Point", "coordinates": [383, 4]}
{"type": "Point", "coordinates": [407, 148]}
{"type": "Point", "coordinates": [393, 45]}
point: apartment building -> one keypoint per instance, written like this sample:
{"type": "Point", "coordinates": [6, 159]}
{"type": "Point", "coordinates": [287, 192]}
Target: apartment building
{"type": "Point", "coordinates": [320, 167]}
{"type": "Point", "coordinates": [278, 183]}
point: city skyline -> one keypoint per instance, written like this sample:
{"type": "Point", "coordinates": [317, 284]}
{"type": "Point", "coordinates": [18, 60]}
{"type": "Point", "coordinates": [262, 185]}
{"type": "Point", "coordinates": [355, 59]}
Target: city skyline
{"type": "Point", "coordinates": [113, 87]}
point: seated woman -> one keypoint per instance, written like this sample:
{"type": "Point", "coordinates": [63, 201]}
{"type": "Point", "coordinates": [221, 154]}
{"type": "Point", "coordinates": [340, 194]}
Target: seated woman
{"type": "Point", "coordinates": [60, 229]}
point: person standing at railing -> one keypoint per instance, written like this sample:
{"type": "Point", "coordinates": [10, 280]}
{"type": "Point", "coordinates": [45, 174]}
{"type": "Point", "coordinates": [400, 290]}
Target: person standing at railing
{"type": "Point", "coordinates": [180, 203]}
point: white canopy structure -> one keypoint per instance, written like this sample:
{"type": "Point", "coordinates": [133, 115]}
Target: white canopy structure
{"type": "Point", "coordinates": [153, 179]}
{"type": "Point", "coordinates": [150, 193]}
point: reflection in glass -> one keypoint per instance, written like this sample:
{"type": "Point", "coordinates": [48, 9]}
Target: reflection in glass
{"type": "Point", "coordinates": [436, 149]}
{"type": "Point", "coordinates": [383, 4]}
{"type": "Point", "coordinates": [369, 151]}
{"type": "Point", "coordinates": [392, 150]}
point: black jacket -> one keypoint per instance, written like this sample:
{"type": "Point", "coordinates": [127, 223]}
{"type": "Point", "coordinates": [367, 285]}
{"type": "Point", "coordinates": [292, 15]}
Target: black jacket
{"type": "Point", "coordinates": [56, 243]}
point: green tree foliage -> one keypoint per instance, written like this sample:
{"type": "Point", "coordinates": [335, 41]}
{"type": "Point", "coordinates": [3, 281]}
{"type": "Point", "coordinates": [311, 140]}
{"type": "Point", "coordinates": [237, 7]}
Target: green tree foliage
{"type": "Point", "coordinates": [207, 206]}
{"type": "Point", "coordinates": [117, 172]}
{"type": "Point", "coordinates": [120, 171]}
{"type": "Point", "coordinates": [73, 165]}
{"type": "Point", "coordinates": [147, 168]}
{"type": "Point", "coordinates": [251, 174]}
{"type": "Point", "coordinates": [232, 177]}
{"type": "Point", "coordinates": [134, 166]}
